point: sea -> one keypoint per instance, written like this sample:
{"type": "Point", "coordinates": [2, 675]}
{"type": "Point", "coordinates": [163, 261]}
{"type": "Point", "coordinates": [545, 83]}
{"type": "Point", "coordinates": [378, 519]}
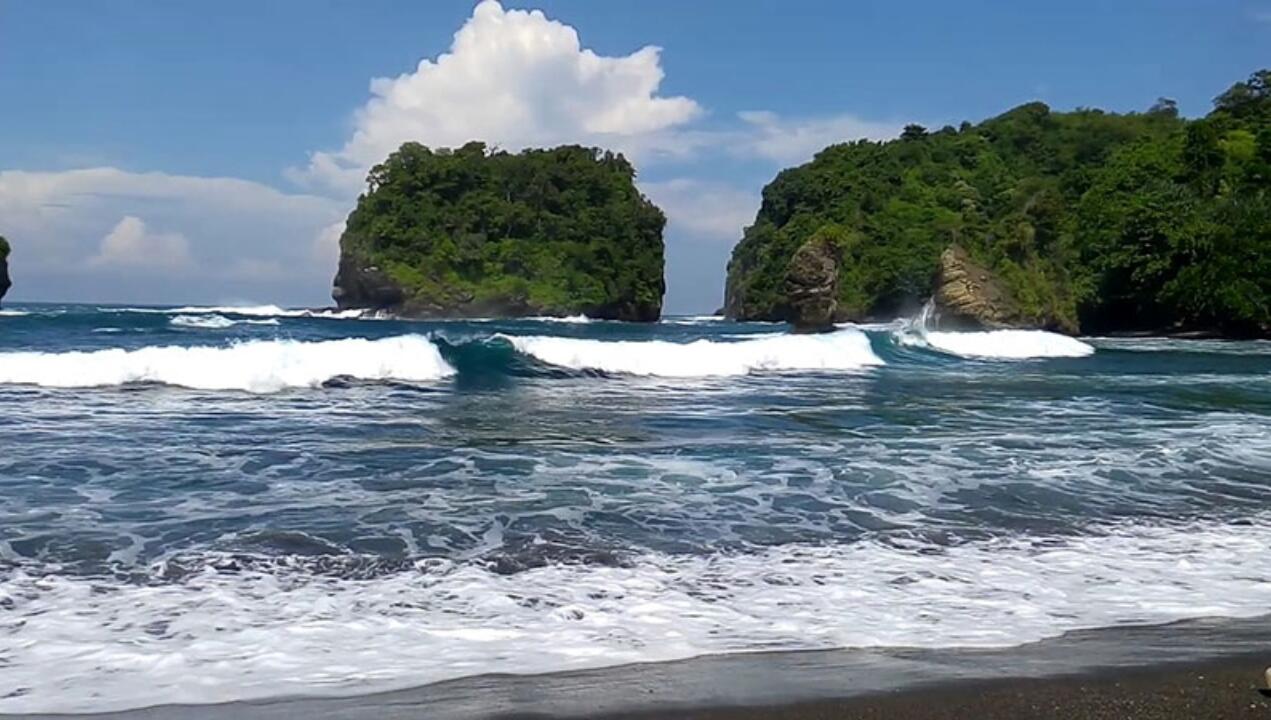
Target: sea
{"type": "Point", "coordinates": [214, 504]}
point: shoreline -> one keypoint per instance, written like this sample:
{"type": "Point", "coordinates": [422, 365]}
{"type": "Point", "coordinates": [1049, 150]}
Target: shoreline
{"type": "Point", "coordinates": [1150, 671]}
{"type": "Point", "coordinates": [1225, 688]}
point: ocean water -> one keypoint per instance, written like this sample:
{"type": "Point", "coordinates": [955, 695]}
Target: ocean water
{"type": "Point", "coordinates": [200, 505]}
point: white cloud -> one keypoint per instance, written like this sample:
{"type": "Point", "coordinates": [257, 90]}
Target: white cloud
{"type": "Point", "coordinates": [788, 141]}
{"type": "Point", "coordinates": [512, 78]}
{"type": "Point", "coordinates": [208, 236]}
{"type": "Point", "coordinates": [131, 244]}
{"type": "Point", "coordinates": [709, 210]}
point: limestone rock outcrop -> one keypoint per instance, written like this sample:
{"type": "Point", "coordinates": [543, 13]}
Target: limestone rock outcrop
{"type": "Point", "coordinates": [812, 285]}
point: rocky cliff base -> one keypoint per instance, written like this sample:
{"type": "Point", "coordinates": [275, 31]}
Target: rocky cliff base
{"type": "Point", "coordinates": [812, 286]}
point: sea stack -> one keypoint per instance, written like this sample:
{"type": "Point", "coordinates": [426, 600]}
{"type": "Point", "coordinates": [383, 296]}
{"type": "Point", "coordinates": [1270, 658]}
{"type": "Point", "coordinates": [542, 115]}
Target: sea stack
{"type": "Point", "coordinates": [812, 285]}
{"type": "Point", "coordinates": [969, 296]}
{"type": "Point", "coordinates": [475, 232]}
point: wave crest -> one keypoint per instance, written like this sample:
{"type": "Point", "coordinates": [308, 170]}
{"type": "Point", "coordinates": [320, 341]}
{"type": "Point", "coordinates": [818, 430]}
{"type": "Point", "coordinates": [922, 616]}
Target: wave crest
{"type": "Point", "coordinates": [203, 322]}
{"type": "Point", "coordinates": [988, 344]}
{"type": "Point", "coordinates": [1001, 344]}
{"type": "Point", "coordinates": [838, 351]}
{"type": "Point", "coordinates": [258, 366]}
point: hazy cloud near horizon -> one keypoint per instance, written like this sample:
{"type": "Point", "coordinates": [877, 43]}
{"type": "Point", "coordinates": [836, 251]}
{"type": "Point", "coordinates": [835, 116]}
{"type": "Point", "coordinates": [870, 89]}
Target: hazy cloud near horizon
{"type": "Point", "coordinates": [512, 78]}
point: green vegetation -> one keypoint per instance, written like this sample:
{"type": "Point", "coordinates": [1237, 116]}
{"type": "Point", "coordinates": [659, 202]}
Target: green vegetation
{"type": "Point", "coordinates": [474, 231]}
{"type": "Point", "coordinates": [4, 248]}
{"type": "Point", "coordinates": [1091, 219]}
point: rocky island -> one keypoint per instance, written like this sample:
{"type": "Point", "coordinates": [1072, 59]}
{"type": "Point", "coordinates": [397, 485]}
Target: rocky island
{"type": "Point", "coordinates": [1083, 221]}
{"type": "Point", "coordinates": [474, 232]}
{"type": "Point", "coordinates": [5, 282]}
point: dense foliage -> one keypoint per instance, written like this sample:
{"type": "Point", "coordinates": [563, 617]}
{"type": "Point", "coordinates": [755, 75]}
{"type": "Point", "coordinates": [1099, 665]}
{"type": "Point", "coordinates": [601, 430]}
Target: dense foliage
{"type": "Point", "coordinates": [557, 231]}
{"type": "Point", "coordinates": [1113, 222]}
{"type": "Point", "coordinates": [4, 248]}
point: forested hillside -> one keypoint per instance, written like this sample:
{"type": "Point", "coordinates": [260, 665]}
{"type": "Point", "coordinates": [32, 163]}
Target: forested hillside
{"type": "Point", "coordinates": [479, 232]}
{"type": "Point", "coordinates": [1092, 220]}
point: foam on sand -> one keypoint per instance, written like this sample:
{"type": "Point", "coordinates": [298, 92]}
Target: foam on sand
{"type": "Point", "coordinates": [837, 351]}
{"type": "Point", "coordinates": [272, 630]}
{"type": "Point", "coordinates": [258, 366]}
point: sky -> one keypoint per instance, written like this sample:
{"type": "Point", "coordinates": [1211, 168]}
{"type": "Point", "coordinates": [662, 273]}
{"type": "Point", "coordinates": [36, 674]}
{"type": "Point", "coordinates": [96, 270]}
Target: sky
{"type": "Point", "coordinates": [169, 151]}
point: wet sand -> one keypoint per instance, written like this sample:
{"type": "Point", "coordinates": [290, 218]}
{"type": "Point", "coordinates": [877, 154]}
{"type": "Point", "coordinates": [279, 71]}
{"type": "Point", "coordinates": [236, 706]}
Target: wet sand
{"type": "Point", "coordinates": [1220, 689]}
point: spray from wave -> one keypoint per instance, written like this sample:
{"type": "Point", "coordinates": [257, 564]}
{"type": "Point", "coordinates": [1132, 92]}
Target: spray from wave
{"type": "Point", "coordinates": [988, 344]}
{"type": "Point", "coordinates": [838, 351]}
{"type": "Point", "coordinates": [258, 366]}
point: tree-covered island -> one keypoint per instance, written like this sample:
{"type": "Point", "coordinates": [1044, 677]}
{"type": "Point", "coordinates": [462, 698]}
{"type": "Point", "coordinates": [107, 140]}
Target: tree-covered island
{"type": "Point", "coordinates": [472, 232]}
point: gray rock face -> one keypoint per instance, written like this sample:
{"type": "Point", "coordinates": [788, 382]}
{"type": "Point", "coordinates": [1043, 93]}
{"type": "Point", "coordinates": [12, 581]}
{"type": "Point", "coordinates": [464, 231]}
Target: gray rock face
{"type": "Point", "coordinates": [812, 286]}
{"type": "Point", "coordinates": [362, 286]}
{"type": "Point", "coordinates": [968, 296]}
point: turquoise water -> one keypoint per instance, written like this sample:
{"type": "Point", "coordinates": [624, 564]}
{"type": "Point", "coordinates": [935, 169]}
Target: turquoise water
{"type": "Point", "coordinates": [277, 502]}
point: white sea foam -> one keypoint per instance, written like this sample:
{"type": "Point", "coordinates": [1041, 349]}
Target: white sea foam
{"type": "Point", "coordinates": [259, 366]}
{"type": "Point", "coordinates": [76, 644]}
{"type": "Point", "coordinates": [570, 319]}
{"type": "Point", "coordinates": [1003, 344]}
{"type": "Point", "coordinates": [203, 322]}
{"type": "Point", "coordinates": [841, 350]}
{"type": "Point", "coordinates": [13, 313]}
{"type": "Point", "coordinates": [692, 319]}
{"type": "Point", "coordinates": [989, 345]}
{"type": "Point", "coordinates": [247, 311]}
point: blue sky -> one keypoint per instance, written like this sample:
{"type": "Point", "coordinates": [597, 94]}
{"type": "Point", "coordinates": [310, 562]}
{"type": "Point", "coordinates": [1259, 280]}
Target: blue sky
{"type": "Point", "coordinates": [206, 152]}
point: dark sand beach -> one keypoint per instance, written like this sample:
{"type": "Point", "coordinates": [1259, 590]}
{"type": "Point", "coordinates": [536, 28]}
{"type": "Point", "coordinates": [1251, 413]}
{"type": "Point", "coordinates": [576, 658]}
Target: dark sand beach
{"type": "Point", "coordinates": [1218, 689]}
{"type": "Point", "coordinates": [1194, 669]}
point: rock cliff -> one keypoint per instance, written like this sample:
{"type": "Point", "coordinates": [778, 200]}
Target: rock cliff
{"type": "Point", "coordinates": [812, 286]}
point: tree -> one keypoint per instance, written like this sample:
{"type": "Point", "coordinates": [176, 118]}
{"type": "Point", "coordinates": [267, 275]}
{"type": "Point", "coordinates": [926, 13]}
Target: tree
{"type": "Point", "coordinates": [913, 131]}
{"type": "Point", "coordinates": [1136, 221]}
{"type": "Point", "coordinates": [474, 230]}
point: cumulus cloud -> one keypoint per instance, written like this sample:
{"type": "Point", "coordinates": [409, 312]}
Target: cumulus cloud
{"type": "Point", "coordinates": [102, 232]}
{"type": "Point", "coordinates": [131, 244]}
{"type": "Point", "coordinates": [709, 210]}
{"type": "Point", "coordinates": [512, 78]}
{"type": "Point", "coordinates": [796, 140]}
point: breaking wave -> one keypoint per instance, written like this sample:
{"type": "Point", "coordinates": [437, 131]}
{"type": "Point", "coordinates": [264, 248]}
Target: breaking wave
{"type": "Point", "coordinates": [215, 322]}
{"type": "Point", "coordinates": [837, 351]}
{"type": "Point", "coordinates": [254, 630]}
{"type": "Point", "coordinates": [988, 344]}
{"type": "Point", "coordinates": [569, 319]}
{"type": "Point", "coordinates": [258, 366]}
{"type": "Point", "coordinates": [207, 322]}
{"type": "Point", "coordinates": [247, 311]}
{"type": "Point", "coordinates": [1006, 344]}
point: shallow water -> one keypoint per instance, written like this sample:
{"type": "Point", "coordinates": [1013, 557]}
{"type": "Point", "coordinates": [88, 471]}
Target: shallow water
{"type": "Point", "coordinates": [208, 504]}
